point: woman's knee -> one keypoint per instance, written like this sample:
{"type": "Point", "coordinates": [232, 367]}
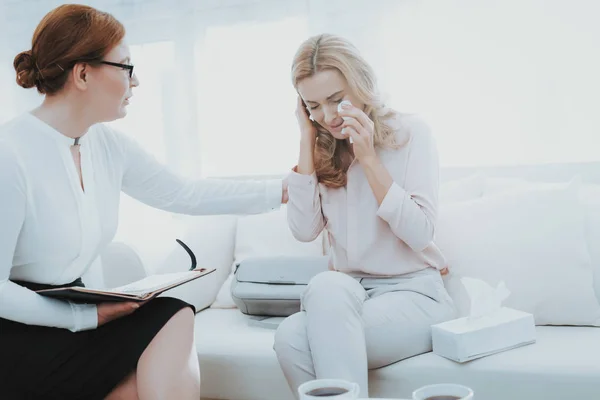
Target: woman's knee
{"type": "Point", "coordinates": [331, 280]}
{"type": "Point", "coordinates": [333, 285]}
{"type": "Point", "coordinates": [291, 334]}
{"type": "Point", "coordinates": [179, 329]}
{"type": "Point", "coordinates": [181, 321]}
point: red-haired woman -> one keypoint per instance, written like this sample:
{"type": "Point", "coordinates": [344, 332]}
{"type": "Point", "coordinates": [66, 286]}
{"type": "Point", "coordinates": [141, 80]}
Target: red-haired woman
{"type": "Point", "coordinates": [61, 174]}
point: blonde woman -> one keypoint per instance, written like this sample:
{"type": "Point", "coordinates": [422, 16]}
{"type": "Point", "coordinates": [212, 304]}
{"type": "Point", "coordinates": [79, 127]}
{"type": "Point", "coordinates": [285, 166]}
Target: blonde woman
{"type": "Point", "coordinates": [370, 176]}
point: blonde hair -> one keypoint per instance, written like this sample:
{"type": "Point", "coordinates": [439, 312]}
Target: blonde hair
{"type": "Point", "coordinates": [330, 52]}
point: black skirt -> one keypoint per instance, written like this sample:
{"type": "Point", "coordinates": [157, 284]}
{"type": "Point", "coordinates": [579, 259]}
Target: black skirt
{"type": "Point", "coordinates": [38, 362]}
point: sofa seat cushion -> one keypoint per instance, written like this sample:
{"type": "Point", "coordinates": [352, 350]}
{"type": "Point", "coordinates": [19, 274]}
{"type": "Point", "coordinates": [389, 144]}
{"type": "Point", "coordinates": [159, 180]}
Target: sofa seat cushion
{"type": "Point", "coordinates": [562, 364]}
{"type": "Point", "coordinates": [237, 362]}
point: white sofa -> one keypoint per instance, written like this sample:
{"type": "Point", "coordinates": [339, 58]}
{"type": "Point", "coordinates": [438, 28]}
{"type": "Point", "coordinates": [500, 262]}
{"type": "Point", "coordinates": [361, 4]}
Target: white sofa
{"type": "Point", "coordinates": [238, 362]}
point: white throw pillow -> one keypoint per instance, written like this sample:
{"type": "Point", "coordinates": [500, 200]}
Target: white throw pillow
{"type": "Point", "coordinates": [268, 234]}
{"type": "Point", "coordinates": [224, 299]}
{"type": "Point", "coordinates": [589, 197]}
{"type": "Point", "coordinates": [534, 240]}
{"type": "Point", "coordinates": [265, 235]}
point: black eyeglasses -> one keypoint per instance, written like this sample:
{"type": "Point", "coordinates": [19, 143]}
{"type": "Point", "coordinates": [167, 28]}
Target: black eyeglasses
{"type": "Point", "coordinates": [190, 253]}
{"type": "Point", "coordinates": [124, 66]}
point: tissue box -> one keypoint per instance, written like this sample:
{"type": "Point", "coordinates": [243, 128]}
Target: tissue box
{"type": "Point", "coordinates": [466, 339]}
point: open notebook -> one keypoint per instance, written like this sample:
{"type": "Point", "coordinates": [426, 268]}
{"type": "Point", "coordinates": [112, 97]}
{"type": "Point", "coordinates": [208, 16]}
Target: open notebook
{"type": "Point", "coordinates": [138, 291]}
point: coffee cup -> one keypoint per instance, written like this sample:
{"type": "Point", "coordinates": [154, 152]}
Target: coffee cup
{"type": "Point", "coordinates": [443, 391]}
{"type": "Point", "coordinates": [334, 389]}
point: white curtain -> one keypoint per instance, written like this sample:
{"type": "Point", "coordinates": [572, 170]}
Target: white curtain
{"type": "Point", "coordinates": [500, 82]}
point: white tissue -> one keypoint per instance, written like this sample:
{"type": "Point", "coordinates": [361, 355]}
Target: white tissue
{"type": "Point", "coordinates": [339, 109]}
{"type": "Point", "coordinates": [485, 299]}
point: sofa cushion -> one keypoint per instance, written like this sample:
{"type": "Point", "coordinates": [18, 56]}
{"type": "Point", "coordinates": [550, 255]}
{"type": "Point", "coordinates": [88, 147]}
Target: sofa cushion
{"type": "Point", "coordinates": [535, 241]}
{"type": "Point", "coordinates": [120, 265]}
{"type": "Point", "coordinates": [268, 234]}
{"type": "Point", "coordinates": [589, 197]}
{"type": "Point", "coordinates": [562, 364]}
{"type": "Point", "coordinates": [237, 362]}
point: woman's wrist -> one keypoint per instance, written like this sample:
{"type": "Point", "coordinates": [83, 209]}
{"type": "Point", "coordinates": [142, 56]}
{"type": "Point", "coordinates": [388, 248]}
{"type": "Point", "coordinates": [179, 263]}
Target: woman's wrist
{"type": "Point", "coordinates": [306, 160]}
{"type": "Point", "coordinates": [371, 161]}
{"type": "Point", "coordinates": [308, 141]}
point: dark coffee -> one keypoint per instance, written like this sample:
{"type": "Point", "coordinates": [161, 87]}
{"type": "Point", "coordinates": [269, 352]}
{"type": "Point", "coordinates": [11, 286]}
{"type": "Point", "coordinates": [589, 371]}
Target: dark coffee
{"type": "Point", "coordinates": [327, 391]}
{"type": "Point", "coordinates": [443, 397]}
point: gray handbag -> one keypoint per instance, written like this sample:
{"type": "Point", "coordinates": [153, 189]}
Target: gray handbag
{"type": "Point", "coordinates": [271, 286]}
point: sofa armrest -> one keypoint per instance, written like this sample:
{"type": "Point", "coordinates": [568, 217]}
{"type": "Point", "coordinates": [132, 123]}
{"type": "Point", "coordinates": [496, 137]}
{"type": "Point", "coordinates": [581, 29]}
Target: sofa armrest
{"type": "Point", "coordinates": [200, 292]}
{"type": "Point", "coordinates": [212, 239]}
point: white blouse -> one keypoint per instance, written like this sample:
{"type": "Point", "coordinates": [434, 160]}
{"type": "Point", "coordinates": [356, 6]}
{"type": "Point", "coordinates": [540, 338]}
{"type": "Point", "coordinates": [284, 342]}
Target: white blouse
{"type": "Point", "coordinates": [51, 229]}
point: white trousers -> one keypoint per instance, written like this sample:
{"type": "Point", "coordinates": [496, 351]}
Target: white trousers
{"type": "Point", "coordinates": [349, 325]}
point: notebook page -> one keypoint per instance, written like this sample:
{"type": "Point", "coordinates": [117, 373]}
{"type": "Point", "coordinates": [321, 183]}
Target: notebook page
{"type": "Point", "coordinates": [152, 283]}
